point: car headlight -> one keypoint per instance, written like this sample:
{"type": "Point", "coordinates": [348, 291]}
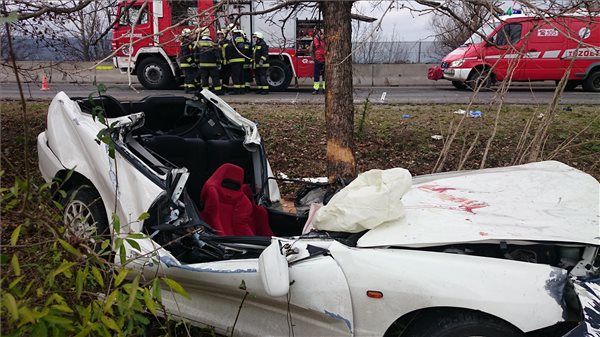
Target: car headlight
{"type": "Point", "coordinates": [457, 63]}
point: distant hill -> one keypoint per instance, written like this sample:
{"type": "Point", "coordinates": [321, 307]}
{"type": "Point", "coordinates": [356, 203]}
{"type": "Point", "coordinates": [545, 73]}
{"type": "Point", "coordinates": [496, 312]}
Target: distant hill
{"type": "Point", "coordinates": [29, 49]}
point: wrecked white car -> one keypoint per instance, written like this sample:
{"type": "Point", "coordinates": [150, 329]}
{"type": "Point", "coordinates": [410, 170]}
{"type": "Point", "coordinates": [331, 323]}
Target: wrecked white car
{"type": "Point", "coordinates": [498, 252]}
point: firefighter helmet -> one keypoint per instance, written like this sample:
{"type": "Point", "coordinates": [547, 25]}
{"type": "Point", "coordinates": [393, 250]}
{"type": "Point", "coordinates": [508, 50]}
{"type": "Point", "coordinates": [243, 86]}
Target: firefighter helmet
{"type": "Point", "coordinates": [258, 35]}
{"type": "Point", "coordinates": [205, 32]}
{"type": "Point", "coordinates": [186, 32]}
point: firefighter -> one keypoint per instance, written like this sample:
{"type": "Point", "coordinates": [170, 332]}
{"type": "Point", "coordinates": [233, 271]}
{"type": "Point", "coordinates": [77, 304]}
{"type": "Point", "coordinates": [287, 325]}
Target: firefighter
{"type": "Point", "coordinates": [186, 61]}
{"type": "Point", "coordinates": [317, 50]}
{"type": "Point", "coordinates": [225, 70]}
{"type": "Point", "coordinates": [260, 53]}
{"type": "Point", "coordinates": [247, 63]}
{"type": "Point", "coordinates": [235, 58]}
{"type": "Point", "coordinates": [207, 56]}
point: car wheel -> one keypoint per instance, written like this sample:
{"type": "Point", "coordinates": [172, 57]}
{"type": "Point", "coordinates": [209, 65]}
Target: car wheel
{"type": "Point", "coordinates": [154, 73]}
{"type": "Point", "coordinates": [444, 323]}
{"type": "Point", "coordinates": [85, 218]}
{"type": "Point", "coordinates": [480, 78]}
{"type": "Point", "coordinates": [460, 85]}
{"type": "Point", "coordinates": [592, 82]}
{"type": "Point", "coordinates": [279, 75]}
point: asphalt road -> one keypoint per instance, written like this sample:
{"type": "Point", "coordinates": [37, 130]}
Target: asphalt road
{"type": "Point", "coordinates": [539, 95]}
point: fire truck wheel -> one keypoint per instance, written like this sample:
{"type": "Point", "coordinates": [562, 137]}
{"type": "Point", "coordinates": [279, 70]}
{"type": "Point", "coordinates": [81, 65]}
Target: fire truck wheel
{"type": "Point", "coordinates": [279, 75]}
{"type": "Point", "coordinates": [154, 73]}
{"type": "Point", "coordinates": [592, 82]}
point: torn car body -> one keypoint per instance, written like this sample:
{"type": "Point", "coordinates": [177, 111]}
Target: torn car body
{"type": "Point", "coordinates": [516, 246]}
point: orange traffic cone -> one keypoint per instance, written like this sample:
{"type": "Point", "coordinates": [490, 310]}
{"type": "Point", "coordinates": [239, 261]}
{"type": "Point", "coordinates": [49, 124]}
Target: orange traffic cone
{"type": "Point", "coordinates": [45, 86]}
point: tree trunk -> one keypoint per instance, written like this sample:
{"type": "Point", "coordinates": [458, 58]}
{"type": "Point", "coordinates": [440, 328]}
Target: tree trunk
{"type": "Point", "coordinates": [339, 107]}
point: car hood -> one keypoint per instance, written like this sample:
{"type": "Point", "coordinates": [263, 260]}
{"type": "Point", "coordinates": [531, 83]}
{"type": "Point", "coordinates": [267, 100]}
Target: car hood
{"type": "Point", "coordinates": [544, 201]}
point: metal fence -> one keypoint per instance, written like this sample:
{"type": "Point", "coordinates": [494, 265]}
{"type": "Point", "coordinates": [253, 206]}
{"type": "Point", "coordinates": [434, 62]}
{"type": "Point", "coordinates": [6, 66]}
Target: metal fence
{"type": "Point", "coordinates": [364, 52]}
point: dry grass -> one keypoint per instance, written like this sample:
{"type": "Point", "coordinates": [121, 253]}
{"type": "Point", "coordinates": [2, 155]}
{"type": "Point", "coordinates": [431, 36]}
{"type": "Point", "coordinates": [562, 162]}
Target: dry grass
{"type": "Point", "coordinates": [295, 137]}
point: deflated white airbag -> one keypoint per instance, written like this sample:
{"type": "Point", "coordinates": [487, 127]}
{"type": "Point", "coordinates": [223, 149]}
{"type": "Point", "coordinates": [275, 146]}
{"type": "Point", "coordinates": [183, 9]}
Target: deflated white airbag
{"type": "Point", "coordinates": [372, 199]}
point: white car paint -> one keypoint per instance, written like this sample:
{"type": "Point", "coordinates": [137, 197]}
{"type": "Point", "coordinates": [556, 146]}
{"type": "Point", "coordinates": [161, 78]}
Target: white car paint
{"type": "Point", "coordinates": [517, 292]}
{"type": "Point", "coordinates": [319, 298]}
{"type": "Point", "coordinates": [546, 201]}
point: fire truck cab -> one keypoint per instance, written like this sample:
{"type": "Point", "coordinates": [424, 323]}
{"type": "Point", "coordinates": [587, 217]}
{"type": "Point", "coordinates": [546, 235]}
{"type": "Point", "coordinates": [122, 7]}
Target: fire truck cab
{"type": "Point", "coordinates": [531, 49]}
{"type": "Point", "coordinates": [146, 38]}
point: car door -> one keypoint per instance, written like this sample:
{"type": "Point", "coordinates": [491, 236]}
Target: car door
{"type": "Point", "coordinates": [227, 293]}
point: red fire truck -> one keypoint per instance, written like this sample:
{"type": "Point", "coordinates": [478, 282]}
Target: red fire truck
{"type": "Point", "coordinates": [146, 38]}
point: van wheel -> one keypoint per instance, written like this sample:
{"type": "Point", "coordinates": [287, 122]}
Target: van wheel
{"type": "Point", "coordinates": [279, 75]}
{"type": "Point", "coordinates": [460, 85]}
{"type": "Point", "coordinates": [155, 74]}
{"type": "Point", "coordinates": [592, 82]}
{"type": "Point", "coordinates": [443, 323]}
{"type": "Point", "coordinates": [571, 85]}
{"type": "Point", "coordinates": [483, 78]}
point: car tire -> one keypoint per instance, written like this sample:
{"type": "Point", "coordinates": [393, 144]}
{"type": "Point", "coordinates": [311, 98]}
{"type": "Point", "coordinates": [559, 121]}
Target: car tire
{"type": "Point", "coordinates": [459, 323]}
{"type": "Point", "coordinates": [480, 78]}
{"type": "Point", "coordinates": [460, 85]}
{"type": "Point", "coordinates": [279, 75]}
{"type": "Point", "coordinates": [84, 217]}
{"type": "Point", "coordinates": [155, 74]}
{"type": "Point", "coordinates": [592, 82]}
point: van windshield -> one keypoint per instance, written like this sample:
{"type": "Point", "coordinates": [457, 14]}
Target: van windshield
{"type": "Point", "coordinates": [485, 30]}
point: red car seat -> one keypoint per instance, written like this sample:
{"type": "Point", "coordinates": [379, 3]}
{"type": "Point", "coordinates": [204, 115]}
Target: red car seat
{"type": "Point", "coordinates": [228, 208]}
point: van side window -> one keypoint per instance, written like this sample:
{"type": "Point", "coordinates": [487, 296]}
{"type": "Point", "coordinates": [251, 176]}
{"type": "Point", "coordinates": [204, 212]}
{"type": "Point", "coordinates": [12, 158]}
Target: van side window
{"type": "Point", "coordinates": [132, 15]}
{"type": "Point", "coordinates": [508, 34]}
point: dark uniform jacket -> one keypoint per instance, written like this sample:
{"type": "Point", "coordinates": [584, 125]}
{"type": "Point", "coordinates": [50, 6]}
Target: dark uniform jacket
{"type": "Point", "coordinates": [207, 53]}
{"type": "Point", "coordinates": [261, 53]}
{"type": "Point", "coordinates": [186, 57]}
{"type": "Point", "coordinates": [234, 50]}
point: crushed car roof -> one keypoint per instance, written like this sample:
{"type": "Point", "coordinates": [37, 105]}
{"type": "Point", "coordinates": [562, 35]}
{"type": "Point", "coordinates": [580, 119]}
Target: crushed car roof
{"type": "Point", "coordinates": [544, 201]}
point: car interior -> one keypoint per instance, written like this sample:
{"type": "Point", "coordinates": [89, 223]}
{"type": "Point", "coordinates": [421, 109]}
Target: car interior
{"type": "Point", "coordinates": [226, 208]}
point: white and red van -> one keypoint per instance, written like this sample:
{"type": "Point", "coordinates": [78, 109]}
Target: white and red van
{"type": "Point", "coordinates": [531, 48]}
